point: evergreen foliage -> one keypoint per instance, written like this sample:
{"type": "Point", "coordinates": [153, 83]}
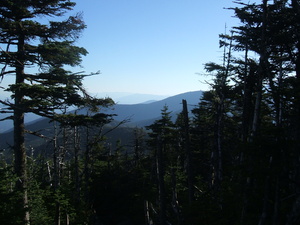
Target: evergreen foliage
{"type": "Point", "coordinates": [27, 42]}
{"type": "Point", "coordinates": [234, 160]}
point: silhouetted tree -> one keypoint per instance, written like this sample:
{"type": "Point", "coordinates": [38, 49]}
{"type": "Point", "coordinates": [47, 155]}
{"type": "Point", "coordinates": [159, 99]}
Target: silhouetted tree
{"type": "Point", "coordinates": [27, 43]}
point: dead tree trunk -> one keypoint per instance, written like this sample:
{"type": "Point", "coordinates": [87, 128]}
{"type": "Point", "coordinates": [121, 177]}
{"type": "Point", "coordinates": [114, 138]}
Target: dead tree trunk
{"type": "Point", "coordinates": [147, 213]}
{"type": "Point", "coordinates": [188, 151]}
{"type": "Point", "coordinates": [175, 203]}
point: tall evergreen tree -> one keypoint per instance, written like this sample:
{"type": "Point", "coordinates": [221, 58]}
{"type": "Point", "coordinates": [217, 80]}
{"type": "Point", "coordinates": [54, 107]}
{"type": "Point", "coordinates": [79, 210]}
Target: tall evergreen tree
{"type": "Point", "coordinates": [26, 43]}
{"type": "Point", "coordinates": [266, 108]}
{"type": "Point", "coordinates": [161, 139]}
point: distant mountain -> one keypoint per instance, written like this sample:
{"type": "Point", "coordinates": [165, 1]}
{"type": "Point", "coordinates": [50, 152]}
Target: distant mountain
{"type": "Point", "coordinates": [118, 97]}
{"type": "Point", "coordinates": [149, 101]}
{"type": "Point", "coordinates": [140, 115]}
{"type": "Point", "coordinates": [8, 124]}
{"type": "Point", "coordinates": [144, 114]}
{"type": "Point", "coordinates": [130, 98]}
{"type": "Point", "coordinates": [138, 98]}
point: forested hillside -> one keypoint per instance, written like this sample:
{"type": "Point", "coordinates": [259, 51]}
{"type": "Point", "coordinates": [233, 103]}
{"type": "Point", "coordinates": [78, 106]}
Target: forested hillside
{"type": "Point", "coordinates": [126, 119]}
{"type": "Point", "coordinates": [233, 159]}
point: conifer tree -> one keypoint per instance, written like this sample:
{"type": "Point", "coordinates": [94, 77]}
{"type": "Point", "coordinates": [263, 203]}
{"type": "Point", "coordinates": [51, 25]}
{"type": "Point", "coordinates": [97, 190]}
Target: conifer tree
{"type": "Point", "coordinates": [266, 107]}
{"type": "Point", "coordinates": [161, 138]}
{"type": "Point", "coordinates": [28, 43]}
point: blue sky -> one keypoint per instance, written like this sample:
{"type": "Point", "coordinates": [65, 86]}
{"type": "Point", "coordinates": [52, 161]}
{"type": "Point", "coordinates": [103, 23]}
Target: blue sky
{"type": "Point", "coordinates": [151, 46]}
{"type": "Point", "coordinates": [156, 47]}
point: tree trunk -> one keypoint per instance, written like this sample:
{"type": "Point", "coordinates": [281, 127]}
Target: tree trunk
{"type": "Point", "coordinates": [276, 203]}
{"type": "Point", "coordinates": [218, 142]}
{"type": "Point", "coordinates": [262, 69]}
{"type": "Point", "coordinates": [175, 203]}
{"type": "Point", "coordinates": [249, 75]}
{"type": "Point", "coordinates": [76, 165]}
{"type": "Point", "coordinates": [147, 213]}
{"type": "Point", "coordinates": [19, 131]}
{"type": "Point", "coordinates": [256, 114]}
{"type": "Point", "coordinates": [294, 215]}
{"type": "Point", "coordinates": [87, 167]}
{"type": "Point", "coordinates": [161, 183]}
{"type": "Point", "coordinates": [189, 159]}
{"type": "Point", "coordinates": [264, 213]}
{"type": "Point", "coordinates": [56, 174]}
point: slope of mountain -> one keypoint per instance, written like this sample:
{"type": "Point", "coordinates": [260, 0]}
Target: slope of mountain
{"type": "Point", "coordinates": [149, 109]}
{"type": "Point", "coordinates": [138, 98]}
{"type": "Point", "coordinates": [6, 125]}
{"type": "Point", "coordinates": [138, 114]}
{"type": "Point", "coordinates": [129, 98]}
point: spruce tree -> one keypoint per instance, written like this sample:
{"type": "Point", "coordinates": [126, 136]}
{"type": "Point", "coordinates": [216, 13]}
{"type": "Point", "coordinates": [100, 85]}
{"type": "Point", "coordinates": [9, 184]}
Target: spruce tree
{"type": "Point", "coordinates": [162, 141]}
{"type": "Point", "coordinates": [29, 43]}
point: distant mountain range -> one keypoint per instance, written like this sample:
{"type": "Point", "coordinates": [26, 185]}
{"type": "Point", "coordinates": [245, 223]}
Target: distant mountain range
{"type": "Point", "coordinates": [138, 99]}
{"type": "Point", "coordinates": [144, 114]}
{"type": "Point", "coordinates": [139, 115]}
{"type": "Point", "coordinates": [130, 98]}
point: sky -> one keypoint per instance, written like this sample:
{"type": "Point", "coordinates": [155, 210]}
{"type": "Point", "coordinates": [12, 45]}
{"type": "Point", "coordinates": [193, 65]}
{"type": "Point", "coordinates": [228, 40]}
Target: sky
{"type": "Point", "coordinates": [151, 46]}
{"type": "Point", "coordinates": [156, 47]}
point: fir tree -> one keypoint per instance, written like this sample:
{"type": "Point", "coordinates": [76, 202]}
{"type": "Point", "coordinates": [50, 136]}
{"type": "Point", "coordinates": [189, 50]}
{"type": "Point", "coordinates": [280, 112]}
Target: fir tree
{"type": "Point", "coordinates": [28, 43]}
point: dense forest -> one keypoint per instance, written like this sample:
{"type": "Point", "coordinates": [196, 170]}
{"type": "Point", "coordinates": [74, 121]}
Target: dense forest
{"type": "Point", "coordinates": [234, 159]}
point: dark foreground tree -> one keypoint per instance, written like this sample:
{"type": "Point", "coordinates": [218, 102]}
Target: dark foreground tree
{"type": "Point", "coordinates": [260, 120]}
{"type": "Point", "coordinates": [160, 138]}
{"type": "Point", "coordinates": [29, 45]}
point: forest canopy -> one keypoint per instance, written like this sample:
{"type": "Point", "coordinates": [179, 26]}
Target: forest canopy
{"type": "Point", "coordinates": [232, 159]}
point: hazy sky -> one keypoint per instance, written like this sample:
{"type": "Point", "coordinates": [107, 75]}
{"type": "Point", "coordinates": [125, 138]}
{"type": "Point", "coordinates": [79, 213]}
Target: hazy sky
{"type": "Point", "coordinates": [151, 46]}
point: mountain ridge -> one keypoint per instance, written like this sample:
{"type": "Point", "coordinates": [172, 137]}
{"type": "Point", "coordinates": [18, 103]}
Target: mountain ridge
{"type": "Point", "coordinates": [138, 114]}
{"type": "Point", "coordinates": [130, 98]}
{"type": "Point", "coordinates": [142, 112]}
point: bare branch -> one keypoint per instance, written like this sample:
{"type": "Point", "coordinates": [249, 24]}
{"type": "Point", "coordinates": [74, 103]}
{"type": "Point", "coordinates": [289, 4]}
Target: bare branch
{"type": "Point", "coordinates": [36, 133]}
{"type": "Point", "coordinates": [7, 118]}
